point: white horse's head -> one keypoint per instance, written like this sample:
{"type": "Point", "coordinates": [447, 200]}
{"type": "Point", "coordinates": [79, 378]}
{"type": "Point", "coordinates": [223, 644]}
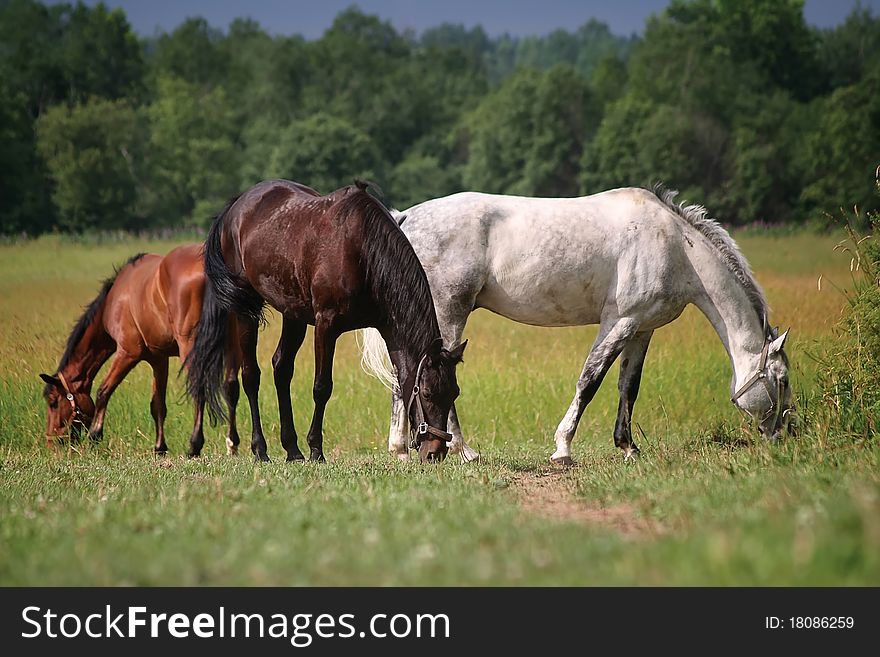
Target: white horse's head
{"type": "Point", "coordinates": [766, 396]}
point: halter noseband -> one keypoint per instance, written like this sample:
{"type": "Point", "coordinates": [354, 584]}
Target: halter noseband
{"type": "Point", "coordinates": [77, 412]}
{"type": "Point", "coordinates": [759, 375]}
{"type": "Point", "coordinates": [419, 431]}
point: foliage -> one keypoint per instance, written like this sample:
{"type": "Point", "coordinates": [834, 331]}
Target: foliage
{"type": "Point", "coordinates": [527, 136]}
{"type": "Point", "coordinates": [740, 104]}
{"type": "Point", "coordinates": [192, 159]}
{"type": "Point", "coordinates": [90, 151]}
{"type": "Point", "coordinates": [332, 151]}
{"type": "Point", "coordinates": [851, 374]}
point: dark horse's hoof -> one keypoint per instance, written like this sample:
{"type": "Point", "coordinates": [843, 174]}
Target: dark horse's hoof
{"type": "Point", "coordinates": [296, 456]}
{"type": "Point", "coordinates": [317, 455]}
{"type": "Point", "coordinates": [261, 457]}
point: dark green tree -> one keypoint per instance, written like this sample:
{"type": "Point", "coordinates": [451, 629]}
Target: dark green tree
{"type": "Point", "coordinates": [90, 151]}
{"type": "Point", "coordinates": [324, 152]}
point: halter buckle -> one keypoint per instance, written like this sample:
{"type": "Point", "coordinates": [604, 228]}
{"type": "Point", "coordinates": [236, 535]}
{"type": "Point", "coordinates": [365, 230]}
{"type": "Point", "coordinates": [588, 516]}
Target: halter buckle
{"type": "Point", "coordinates": [423, 428]}
{"type": "Point", "coordinates": [69, 396]}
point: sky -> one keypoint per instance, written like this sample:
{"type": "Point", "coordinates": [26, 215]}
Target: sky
{"type": "Point", "coordinates": [517, 17]}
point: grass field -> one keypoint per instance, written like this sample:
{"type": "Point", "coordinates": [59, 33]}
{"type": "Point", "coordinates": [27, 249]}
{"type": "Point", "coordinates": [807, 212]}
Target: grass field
{"type": "Point", "coordinates": [707, 503]}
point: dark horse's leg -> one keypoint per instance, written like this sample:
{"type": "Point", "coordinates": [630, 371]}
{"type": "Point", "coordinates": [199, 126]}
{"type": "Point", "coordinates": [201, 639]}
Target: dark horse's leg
{"type": "Point", "coordinates": [292, 335]}
{"type": "Point", "coordinates": [232, 393]}
{"type": "Point", "coordinates": [158, 408]}
{"type": "Point", "coordinates": [197, 439]}
{"type": "Point", "coordinates": [250, 378]}
{"type": "Point", "coordinates": [325, 347]}
{"type": "Point", "coordinates": [632, 358]}
{"type": "Point", "coordinates": [612, 338]}
{"type": "Point", "coordinates": [122, 364]}
{"type": "Point", "coordinates": [231, 389]}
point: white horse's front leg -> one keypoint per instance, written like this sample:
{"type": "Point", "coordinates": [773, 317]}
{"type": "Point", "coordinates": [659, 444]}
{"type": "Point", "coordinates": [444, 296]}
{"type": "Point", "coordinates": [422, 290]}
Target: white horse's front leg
{"type": "Point", "coordinates": [609, 343]}
{"type": "Point", "coordinates": [397, 436]}
{"type": "Point", "coordinates": [565, 432]}
{"type": "Point", "coordinates": [457, 445]}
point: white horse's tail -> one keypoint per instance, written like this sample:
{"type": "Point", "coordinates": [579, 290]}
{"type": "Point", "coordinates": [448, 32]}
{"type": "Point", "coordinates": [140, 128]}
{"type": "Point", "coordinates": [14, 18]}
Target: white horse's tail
{"type": "Point", "coordinates": [374, 357]}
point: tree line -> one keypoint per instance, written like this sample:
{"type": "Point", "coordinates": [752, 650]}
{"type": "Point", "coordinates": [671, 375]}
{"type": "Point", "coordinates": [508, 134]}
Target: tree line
{"type": "Point", "coordinates": [740, 104]}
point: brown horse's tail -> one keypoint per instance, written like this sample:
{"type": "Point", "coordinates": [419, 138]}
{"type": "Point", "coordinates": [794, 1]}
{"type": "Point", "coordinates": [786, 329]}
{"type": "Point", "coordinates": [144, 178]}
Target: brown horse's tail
{"type": "Point", "coordinates": [225, 293]}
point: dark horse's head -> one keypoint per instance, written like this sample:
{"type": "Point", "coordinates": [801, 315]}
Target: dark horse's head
{"type": "Point", "coordinates": [429, 393]}
{"type": "Point", "coordinates": [69, 410]}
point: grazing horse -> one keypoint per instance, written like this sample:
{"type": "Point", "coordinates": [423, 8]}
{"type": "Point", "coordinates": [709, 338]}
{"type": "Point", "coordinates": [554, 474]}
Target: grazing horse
{"type": "Point", "coordinates": [149, 310]}
{"type": "Point", "coordinates": [338, 262]}
{"type": "Point", "coordinates": [628, 259]}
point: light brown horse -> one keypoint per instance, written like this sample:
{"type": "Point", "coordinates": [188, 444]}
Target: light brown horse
{"type": "Point", "coordinates": [149, 310]}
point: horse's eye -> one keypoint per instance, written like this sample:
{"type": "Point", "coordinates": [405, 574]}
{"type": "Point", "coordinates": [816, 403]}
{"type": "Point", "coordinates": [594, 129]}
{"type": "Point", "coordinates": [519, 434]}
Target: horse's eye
{"type": "Point", "coordinates": [53, 404]}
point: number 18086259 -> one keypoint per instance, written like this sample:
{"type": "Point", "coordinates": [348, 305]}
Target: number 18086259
{"type": "Point", "coordinates": [809, 622]}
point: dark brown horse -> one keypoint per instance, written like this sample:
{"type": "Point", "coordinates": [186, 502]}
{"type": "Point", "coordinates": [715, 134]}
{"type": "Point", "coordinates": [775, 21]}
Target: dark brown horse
{"type": "Point", "coordinates": [340, 263]}
{"type": "Point", "coordinates": [147, 311]}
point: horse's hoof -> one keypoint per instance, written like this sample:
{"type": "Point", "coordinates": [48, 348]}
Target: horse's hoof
{"type": "Point", "coordinates": [160, 451]}
{"type": "Point", "coordinates": [465, 453]}
{"type": "Point", "coordinates": [561, 460]}
{"type": "Point", "coordinates": [630, 454]}
{"type": "Point", "coordinates": [261, 457]}
{"type": "Point", "coordinates": [295, 457]}
{"type": "Point", "coordinates": [193, 455]}
{"type": "Point", "coordinates": [231, 450]}
{"type": "Point", "coordinates": [469, 457]}
{"type": "Point", "coordinates": [315, 455]}
{"type": "Point", "coordinates": [402, 456]}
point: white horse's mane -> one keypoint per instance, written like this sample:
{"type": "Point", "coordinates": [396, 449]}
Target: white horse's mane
{"type": "Point", "coordinates": [727, 249]}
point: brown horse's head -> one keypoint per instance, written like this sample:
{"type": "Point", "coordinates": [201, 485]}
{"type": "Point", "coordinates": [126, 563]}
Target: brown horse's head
{"type": "Point", "coordinates": [69, 410]}
{"type": "Point", "coordinates": [430, 399]}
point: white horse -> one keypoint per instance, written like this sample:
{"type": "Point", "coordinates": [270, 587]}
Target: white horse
{"type": "Point", "coordinates": [628, 259]}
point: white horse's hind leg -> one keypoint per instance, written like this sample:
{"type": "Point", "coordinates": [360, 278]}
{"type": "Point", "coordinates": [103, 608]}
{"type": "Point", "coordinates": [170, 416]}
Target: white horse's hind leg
{"type": "Point", "coordinates": [458, 445]}
{"type": "Point", "coordinates": [398, 440]}
{"type": "Point", "coordinates": [451, 328]}
{"type": "Point", "coordinates": [613, 336]}
{"type": "Point", "coordinates": [631, 361]}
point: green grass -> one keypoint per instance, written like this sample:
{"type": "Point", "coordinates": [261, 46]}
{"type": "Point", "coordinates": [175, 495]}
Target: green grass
{"type": "Point", "coordinates": [710, 503]}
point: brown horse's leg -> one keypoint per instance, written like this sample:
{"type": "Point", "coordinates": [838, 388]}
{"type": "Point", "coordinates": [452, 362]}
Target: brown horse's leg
{"type": "Point", "coordinates": [325, 347]}
{"type": "Point", "coordinates": [158, 409]}
{"type": "Point", "coordinates": [292, 335]}
{"type": "Point", "coordinates": [122, 364]}
{"type": "Point", "coordinates": [250, 378]}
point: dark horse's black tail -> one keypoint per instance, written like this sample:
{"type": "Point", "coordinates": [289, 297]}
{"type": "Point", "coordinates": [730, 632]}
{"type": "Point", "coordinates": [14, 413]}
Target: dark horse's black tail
{"type": "Point", "coordinates": [224, 293]}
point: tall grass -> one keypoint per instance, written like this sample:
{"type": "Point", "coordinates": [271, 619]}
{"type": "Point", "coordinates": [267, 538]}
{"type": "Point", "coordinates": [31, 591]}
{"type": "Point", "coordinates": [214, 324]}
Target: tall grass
{"type": "Point", "coordinates": [850, 376]}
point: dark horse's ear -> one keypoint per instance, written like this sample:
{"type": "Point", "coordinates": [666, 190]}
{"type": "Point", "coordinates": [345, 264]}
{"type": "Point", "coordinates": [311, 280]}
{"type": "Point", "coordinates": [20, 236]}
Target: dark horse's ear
{"type": "Point", "coordinates": [456, 354]}
{"type": "Point", "coordinates": [51, 380]}
{"type": "Point", "coordinates": [435, 349]}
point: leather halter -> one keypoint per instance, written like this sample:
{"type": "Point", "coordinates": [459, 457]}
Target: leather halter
{"type": "Point", "coordinates": [759, 375]}
{"type": "Point", "coordinates": [77, 412]}
{"type": "Point", "coordinates": [422, 428]}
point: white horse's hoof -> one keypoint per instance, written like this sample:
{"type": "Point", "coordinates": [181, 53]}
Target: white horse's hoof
{"type": "Point", "coordinates": [561, 460]}
{"type": "Point", "coordinates": [631, 453]}
{"type": "Point", "coordinates": [465, 453]}
{"type": "Point", "coordinates": [231, 450]}
{"type": "Point", "coordinates": [402, 456]}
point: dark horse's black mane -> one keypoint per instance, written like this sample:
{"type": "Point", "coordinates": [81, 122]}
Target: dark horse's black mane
{"type": "Point", "coordinates": [394, 274]}
{"type": "Point", "coordinates": [88, 317]}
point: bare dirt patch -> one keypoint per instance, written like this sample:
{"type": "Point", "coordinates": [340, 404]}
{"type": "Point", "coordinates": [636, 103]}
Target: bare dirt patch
{"type": "Point", "coordinates": [550, 493]}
